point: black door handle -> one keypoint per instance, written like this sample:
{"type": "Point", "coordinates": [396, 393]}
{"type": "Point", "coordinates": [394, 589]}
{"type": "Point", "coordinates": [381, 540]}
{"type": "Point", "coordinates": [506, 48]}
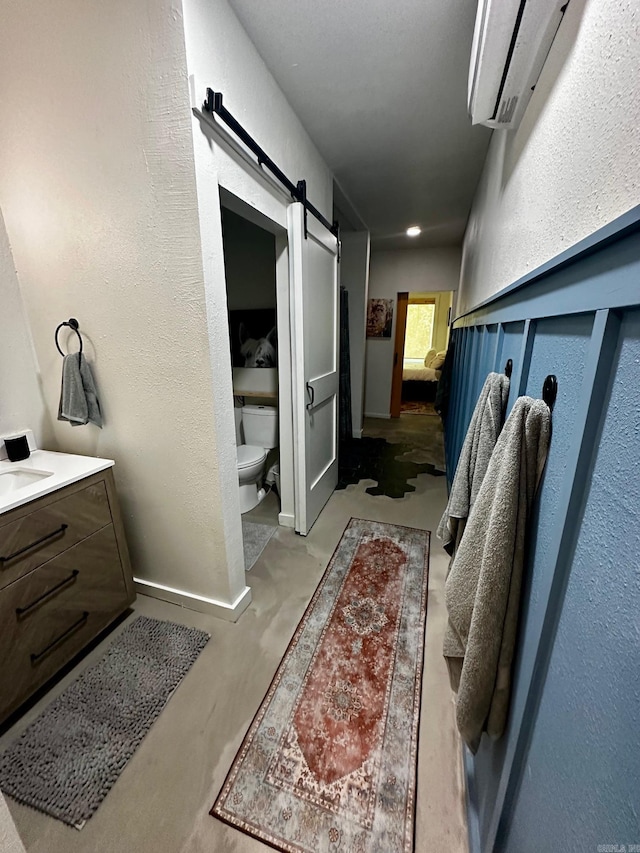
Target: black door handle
{"type": "Point", "coordinates": [311, 392]}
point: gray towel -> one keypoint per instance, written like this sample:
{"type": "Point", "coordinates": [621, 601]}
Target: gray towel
{"type": "Point", "coordinates": [483, 432]}
{"type": "Point", "coordinates": [482, 592]}
{"type": "Point", "coordinates": [79, 402]}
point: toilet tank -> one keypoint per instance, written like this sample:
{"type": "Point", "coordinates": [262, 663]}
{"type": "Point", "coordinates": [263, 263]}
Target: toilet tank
{"type": "Point", "coordinates": [260, 426]}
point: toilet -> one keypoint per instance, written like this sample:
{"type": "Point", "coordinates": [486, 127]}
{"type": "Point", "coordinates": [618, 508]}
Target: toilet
{"type": "Point", "coordinates": [260, 427]}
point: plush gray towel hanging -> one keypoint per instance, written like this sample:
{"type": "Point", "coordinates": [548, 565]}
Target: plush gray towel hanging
{"type": "Point", "coordinates": [79, 402]}
{"type": "Point", "coordinates": [482, 592]}
{"type": "Point", "coordinates": [483, 432]}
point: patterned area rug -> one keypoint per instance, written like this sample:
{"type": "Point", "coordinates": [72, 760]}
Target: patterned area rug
{"type": "Point", "coordinates": [68, 759]}
{"type": "Point", "coordinates": [329, 762]}
{"type": "Point", "coordinates": [254, 540]}
{"type": "Point", "coordinates": [418, 407]}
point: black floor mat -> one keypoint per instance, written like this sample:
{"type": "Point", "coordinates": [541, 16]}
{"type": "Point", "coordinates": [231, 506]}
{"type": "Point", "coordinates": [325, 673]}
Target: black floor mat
{"type": "Point", "coordinates": [377, 459]}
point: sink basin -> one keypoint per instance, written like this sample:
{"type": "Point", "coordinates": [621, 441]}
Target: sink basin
{"type": "Point", "coordinates": [18, 478]}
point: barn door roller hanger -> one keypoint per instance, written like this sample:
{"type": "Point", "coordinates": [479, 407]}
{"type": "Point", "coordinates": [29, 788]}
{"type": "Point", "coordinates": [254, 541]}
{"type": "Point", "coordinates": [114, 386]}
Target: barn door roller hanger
{"type": "Point", "coordinates": [213, 104]}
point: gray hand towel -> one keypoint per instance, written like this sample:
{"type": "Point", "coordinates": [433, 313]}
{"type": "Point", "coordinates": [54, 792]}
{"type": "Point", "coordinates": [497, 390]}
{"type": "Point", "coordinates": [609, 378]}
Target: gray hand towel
{"type": "Point", "coordinates": [483, 432]}
{"type": "Point", "coordinates": [79, 402]}
{"type": "Point", "coordinates": [482, 592]}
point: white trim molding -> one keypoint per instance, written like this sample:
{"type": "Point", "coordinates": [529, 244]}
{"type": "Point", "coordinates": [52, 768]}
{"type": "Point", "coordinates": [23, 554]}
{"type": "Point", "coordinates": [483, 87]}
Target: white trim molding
{"type": "Point", "coordinates": [229, 612]}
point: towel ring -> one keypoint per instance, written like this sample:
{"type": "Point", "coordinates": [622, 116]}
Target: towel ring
{"type": "Point", "coordinates": [72, 324]}
{"type": "Point", "coordinates": [550, 390]}
{"type": "Point", "coordinates": [508, 368]}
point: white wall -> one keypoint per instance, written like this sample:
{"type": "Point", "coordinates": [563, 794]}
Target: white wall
{"type": "Point", "coordinates": [354, 277]}
{"type": "Point", "coordinates": [573, 164]}
{"type": "Point", "coordinates": [98, 190]}
{"type": "Point", "coordinates": [221, 56]}
{"type": "Point", "coordinates": [21, 402]}
{"type": "Point", "coordinates": [393, 272]}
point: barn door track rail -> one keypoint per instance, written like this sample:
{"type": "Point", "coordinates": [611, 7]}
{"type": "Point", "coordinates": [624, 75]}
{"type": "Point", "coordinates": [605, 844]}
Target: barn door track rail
{"type": "Point", "coordinates": [213, 105]}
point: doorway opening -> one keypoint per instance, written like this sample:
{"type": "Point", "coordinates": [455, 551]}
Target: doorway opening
{"type": "Point", "coordinates": [422, 336]}
{"type": "Point", "coordinates": [256, 273]}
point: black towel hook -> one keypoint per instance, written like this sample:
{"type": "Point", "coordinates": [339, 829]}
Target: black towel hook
{"type": "Point", "coordinates": [72, 324]}
{"type": "Point", "coordinates": [508, 368]}
{"type": "Point", "coordinates": [550, 390]}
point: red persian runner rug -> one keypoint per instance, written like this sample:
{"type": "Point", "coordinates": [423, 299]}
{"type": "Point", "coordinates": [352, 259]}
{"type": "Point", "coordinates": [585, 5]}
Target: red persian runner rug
{"type": "Point", "coordinates": [329, 762]}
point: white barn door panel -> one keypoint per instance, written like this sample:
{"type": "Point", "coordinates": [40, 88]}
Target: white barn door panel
{"type": "Point", "coordinates": [315, 363]}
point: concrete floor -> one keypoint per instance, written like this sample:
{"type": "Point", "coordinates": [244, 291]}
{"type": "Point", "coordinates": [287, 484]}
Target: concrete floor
{"type": "Point", "coordinates": [161, 801]}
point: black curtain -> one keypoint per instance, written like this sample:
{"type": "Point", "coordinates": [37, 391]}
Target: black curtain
{"type": "Point", "coordinates": [344, 408]}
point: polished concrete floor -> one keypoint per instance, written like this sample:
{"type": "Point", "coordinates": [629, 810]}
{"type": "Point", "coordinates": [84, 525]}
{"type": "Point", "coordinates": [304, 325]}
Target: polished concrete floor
{"type": "Point", "coordinates": [161, 801]}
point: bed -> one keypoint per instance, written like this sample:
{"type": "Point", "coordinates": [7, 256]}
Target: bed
{"type": "Point", "coordinates": [419, 373]}
{"type": "Point", "coordinates": [420, 379]}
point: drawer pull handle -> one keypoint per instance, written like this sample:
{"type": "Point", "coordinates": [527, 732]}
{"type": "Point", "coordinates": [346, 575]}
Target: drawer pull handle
{"type": "Point", "coordinates": [22, 611]}
{"type": "Point", "coordinates": [36, 658]}
{"type": "Point", "coordinates": [42, 539]}
{"type": "Point", "coordinates": [311, 391]}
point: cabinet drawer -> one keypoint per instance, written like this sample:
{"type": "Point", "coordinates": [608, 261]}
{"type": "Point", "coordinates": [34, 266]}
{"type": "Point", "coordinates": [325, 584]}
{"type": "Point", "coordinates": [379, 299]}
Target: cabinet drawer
{"type": "Point", "coordinates": [48, 616]}
{"type": "Point", "coordinates": [31, 540]}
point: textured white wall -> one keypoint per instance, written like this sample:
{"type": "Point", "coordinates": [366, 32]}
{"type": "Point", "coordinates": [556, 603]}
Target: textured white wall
{"type": "Point", "coordinates": [354, 275]}
{"type": "Point", "coordinates": [21, 402]}
{"type": "Point", "coordinates": [573, 164]}
{"type": "Point", "coordinates": [98, 190]}
{"type": "Point", "coordinates": [220, 55]}
{"type": "Point", "coordinates": [393, 272]}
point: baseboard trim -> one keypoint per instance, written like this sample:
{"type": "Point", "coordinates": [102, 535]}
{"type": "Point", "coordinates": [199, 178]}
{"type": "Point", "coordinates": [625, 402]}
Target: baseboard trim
{"type": "Point", "coordinates": [285, 519]}
{"type": "Point", "coordinates": [377, 415]}
{"type": "Point", "coordinates": [357, 433]}
{"type": "Point", "coordinates": [228, 612]}
{"type": "Point", "coordinates": [473, 822]}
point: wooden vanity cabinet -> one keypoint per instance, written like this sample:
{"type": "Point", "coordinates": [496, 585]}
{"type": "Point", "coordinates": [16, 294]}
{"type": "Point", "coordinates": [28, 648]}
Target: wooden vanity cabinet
{"type": "Point", "coordinates": [65, 575]}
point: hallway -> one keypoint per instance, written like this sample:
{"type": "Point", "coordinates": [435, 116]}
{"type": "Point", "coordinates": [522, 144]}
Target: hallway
{"type": "Point", "coordinates": [162, 799]}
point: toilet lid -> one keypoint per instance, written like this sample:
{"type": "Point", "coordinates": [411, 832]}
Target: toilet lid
{"type": "Point", "coordinates": [249, 455]}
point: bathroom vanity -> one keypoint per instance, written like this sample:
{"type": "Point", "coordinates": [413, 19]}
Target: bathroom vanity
{"type": "Point", "coordinates": [65, 573]}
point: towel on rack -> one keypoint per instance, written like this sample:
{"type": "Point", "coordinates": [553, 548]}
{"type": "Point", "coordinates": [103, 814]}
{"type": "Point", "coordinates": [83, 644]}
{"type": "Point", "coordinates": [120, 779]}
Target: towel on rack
{"type": "Point", "coordinates": [483, 432]}
{"type": "Point", "coordinates": [482, 591]}
{"type": "Point", "coordinates": [79, 402]}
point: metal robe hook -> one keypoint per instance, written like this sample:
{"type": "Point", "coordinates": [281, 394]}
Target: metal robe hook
{"type": "Point", "coordinates": [508, 368]}
{"type": "Point", "coordinates": [550, 390]}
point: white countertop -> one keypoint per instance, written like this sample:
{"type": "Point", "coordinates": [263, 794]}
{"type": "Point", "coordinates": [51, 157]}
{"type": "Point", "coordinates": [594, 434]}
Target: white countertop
{"type": "Point", "coordinates": [64, 468]}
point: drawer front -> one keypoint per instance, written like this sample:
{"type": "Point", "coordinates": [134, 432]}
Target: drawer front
{"type": "Point", "coordinates": [50, 615]}
{"type": "Point", "coordinates": [35, 538]}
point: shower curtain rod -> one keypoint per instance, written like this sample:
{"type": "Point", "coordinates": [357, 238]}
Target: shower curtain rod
{"type": "Point", "coordinates": [213, 104]}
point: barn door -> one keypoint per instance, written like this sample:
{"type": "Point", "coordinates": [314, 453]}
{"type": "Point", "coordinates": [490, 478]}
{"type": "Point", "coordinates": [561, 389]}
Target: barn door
{"type": "Point", "coordinates": [315, 365]}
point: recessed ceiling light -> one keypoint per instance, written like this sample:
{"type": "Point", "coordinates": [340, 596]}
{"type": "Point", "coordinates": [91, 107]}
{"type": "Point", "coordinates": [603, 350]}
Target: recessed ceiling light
{"type": "Point", "coordinates": [413, 231]}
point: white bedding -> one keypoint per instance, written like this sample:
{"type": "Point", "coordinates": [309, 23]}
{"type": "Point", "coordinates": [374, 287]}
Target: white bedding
{"type": "Point", "coordinates": [419, 372]}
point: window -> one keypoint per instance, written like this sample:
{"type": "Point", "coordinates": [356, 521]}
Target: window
{"type": "Point", "coordinates": [419, 330]}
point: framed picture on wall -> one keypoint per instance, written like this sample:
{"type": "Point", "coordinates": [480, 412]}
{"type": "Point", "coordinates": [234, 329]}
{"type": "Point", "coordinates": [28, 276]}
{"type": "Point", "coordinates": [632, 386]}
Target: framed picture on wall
{"type": "Point", "coordinates": [379, 318]}
{"type": "Point", "coordinates": [253, 337]}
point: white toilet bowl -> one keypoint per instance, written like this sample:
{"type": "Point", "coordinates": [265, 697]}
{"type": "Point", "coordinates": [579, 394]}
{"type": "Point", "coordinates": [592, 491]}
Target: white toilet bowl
{"type": "Point", "coordinates": [251, 461]}
{"type": "Point", "coordinates": [260, 428]}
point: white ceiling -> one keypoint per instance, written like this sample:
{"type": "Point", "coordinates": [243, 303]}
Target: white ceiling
{"type": "Point", "coordinates": [381, 89]}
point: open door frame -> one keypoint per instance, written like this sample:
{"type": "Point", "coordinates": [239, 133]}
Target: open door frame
{"type": "Point", "coordinates": [398, 355]}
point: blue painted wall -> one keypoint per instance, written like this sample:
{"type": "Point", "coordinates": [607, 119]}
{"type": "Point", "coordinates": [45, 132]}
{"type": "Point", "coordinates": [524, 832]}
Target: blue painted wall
{"type": "Point", "coordinates": [566, 774]}
{"type": "Point", "coordinates": [581, 785]}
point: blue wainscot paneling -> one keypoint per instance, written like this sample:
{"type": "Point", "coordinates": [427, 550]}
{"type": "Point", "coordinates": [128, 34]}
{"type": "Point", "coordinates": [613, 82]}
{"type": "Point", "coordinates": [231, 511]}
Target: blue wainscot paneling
{"type": "Point", "coordinates": [583, 760]}
{"type": "Point", "coordinates": [566, 773]}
